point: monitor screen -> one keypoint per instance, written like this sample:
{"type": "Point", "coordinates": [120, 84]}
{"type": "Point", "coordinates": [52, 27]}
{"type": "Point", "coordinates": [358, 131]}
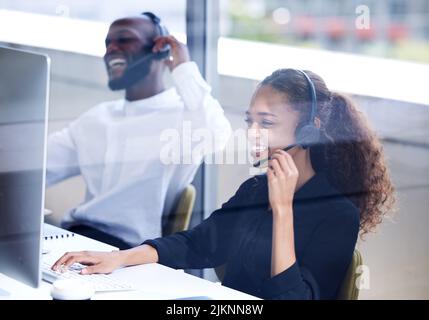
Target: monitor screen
{"type": "Point", "coordinates": [24, 82]}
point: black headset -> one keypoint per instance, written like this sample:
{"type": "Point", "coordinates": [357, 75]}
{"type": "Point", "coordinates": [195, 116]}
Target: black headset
{"type": "Point", "coordinates": [164, 52]}
{"type": "Point", "coordinates": [308, 134]}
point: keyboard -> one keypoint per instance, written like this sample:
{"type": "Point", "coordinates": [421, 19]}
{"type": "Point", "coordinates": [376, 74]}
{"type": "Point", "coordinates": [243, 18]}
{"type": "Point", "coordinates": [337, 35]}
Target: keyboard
{"type": "Point", "coordinates": [100, 282]}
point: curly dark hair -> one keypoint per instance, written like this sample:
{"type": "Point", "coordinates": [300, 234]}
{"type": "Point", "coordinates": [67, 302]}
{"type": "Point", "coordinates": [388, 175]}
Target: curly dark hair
{"type": "Point", "coordinates": [349, 151]}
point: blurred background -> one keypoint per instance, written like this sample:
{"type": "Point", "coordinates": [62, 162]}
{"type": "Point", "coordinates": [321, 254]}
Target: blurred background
{"type": "Point", "coordinates": [375, 51]}
{"type": "Point", "coordinates": [397, 29]}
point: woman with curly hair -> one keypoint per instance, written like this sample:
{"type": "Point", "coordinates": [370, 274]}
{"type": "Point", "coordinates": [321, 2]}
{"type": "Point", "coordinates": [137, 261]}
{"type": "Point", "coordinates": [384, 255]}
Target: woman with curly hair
{"type": "Point", "coordinates": [289, 233]}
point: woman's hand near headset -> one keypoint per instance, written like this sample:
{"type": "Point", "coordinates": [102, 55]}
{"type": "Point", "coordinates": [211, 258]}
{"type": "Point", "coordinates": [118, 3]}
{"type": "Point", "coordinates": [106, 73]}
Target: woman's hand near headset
{"type": "Point", "coordinates": [282, 180]}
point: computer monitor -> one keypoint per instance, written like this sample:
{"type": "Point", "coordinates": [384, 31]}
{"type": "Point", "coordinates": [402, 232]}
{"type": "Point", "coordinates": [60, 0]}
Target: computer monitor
{"type": "Point", "coordinates": [24, 91]}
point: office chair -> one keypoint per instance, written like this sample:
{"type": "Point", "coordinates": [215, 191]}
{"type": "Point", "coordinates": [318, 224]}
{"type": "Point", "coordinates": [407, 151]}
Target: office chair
{"type": "Point", "coordinates": [349, 289]}
{"type": "Point", "coordinates": [182, 215]}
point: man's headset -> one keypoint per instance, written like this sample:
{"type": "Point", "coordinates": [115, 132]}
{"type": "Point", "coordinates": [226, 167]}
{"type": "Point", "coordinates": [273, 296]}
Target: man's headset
{"type": "Point", "coordinates": [162, 54]}
{"type": "Point", "coordinates": [308, 134]}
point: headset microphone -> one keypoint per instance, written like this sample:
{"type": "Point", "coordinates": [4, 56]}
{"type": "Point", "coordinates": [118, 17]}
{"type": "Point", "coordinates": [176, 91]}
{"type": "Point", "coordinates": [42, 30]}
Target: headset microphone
{"type": "Point", "coordinates": [260, 162]}
{"type": "Point", "coordinates": [142, 63]}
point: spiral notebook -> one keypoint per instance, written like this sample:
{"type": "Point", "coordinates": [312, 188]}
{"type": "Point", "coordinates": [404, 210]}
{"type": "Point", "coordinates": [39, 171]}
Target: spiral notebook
{"type": "Point", "coordinates": [52, 233]}
{"type": "Point", "coordinates": [57, 241]}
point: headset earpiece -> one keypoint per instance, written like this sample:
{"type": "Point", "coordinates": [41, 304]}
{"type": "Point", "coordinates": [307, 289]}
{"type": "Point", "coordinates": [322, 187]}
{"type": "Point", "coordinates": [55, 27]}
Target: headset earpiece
{"type": "Point", "coordinates": [164, 52]}
{"type": "Point", "coordinates": [309, 134]}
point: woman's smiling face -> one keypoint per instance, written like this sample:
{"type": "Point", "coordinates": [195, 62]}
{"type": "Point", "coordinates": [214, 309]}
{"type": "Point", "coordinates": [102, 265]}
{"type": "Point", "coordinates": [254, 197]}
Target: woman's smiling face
{"type": "Point", "coordinates": [271, 122]}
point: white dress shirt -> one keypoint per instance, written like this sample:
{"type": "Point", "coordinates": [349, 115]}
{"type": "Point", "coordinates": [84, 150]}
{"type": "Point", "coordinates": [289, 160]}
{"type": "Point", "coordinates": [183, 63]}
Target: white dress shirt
{"type": "Point", "coordinates": [116, 147]}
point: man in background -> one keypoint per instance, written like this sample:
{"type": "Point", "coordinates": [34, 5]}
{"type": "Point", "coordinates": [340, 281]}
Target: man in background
{"type": "Point", "coordinates": [116, 145]}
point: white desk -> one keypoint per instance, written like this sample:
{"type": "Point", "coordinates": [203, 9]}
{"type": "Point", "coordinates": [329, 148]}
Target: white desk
{"type": "Point", "coordinates": [151, 281]}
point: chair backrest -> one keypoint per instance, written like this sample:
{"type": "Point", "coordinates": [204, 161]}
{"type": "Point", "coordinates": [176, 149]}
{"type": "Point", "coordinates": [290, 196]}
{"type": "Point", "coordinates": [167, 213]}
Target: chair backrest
{"type": "Point", "coordinates": [183, 212]}
{"type": "Point", "coordinates": [220, 272]}
{"type": "Point", "coordinates": [349, 289]}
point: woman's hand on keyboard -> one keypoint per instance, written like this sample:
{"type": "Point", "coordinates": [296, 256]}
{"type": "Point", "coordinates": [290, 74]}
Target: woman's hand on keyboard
{"type": "Point", "coordinates": [96, 262]}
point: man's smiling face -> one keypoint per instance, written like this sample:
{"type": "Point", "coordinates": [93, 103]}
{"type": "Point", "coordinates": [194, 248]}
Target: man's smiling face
{"type": "Point", "coordinates": [128, 40]}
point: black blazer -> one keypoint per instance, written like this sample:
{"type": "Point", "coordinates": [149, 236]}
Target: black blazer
{"type": "Point", "coordinates": [326, 226]}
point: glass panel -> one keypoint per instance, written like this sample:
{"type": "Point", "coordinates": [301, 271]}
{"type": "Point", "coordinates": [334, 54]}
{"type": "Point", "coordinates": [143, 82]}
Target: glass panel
{"type": "Point", "coordinates": [73, 34]}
